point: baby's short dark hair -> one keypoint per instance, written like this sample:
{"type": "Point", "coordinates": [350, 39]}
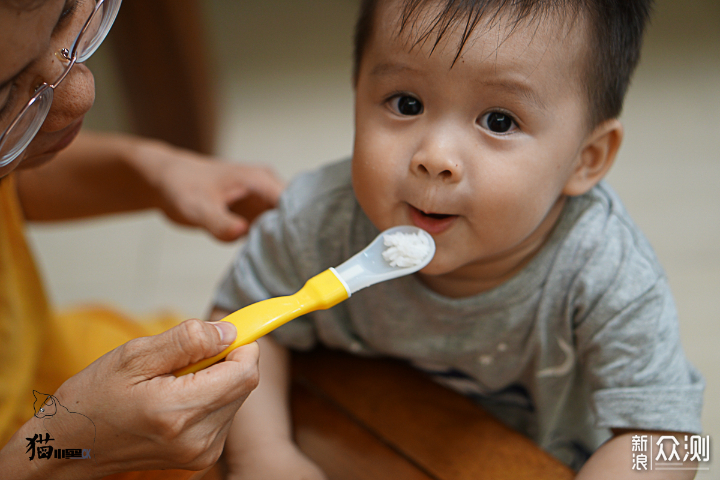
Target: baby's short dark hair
{"type": "Point", "coordinates": [615, 37]}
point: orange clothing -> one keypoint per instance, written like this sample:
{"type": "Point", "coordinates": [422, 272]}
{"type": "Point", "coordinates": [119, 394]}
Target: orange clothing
{"type": "Point", "coordinates": [39, 350]}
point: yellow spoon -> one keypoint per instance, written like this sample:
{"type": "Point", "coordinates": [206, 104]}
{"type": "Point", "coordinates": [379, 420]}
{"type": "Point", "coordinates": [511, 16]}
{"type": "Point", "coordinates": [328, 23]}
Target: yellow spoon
{"type": "Point", "coordinates": [382, 260]}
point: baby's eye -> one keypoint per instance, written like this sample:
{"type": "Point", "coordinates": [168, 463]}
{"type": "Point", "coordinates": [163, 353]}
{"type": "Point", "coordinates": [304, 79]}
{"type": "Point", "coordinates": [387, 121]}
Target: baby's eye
{"type": "Point", "coordinates": [406, 105]}
{"type": "Point", "coordinates": [498, 122]}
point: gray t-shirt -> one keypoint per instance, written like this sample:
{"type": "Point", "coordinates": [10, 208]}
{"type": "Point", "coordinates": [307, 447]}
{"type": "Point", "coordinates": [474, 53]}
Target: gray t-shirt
{"type": "Point", "coordinates": [583, 339]}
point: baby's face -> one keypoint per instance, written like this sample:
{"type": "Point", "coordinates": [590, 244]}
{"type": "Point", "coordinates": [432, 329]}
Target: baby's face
{"type": "Point", "coordinates": [478, 154]}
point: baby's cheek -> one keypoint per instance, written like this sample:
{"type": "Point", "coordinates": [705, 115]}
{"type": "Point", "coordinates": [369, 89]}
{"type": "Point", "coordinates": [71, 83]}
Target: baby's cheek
{"type": "Point", "coordinates": [508, 217]}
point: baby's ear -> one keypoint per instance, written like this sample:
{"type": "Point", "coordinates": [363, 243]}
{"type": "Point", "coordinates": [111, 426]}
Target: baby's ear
{"type": "Point", "coordinates": [595, 158]}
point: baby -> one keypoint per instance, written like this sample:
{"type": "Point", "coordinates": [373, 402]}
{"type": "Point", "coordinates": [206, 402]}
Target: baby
{"type": "Point", "coordinates": [491, 125]}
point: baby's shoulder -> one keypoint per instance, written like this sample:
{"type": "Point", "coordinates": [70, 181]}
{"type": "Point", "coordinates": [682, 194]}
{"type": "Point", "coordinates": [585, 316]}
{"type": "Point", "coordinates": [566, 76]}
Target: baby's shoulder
{"type": "Point", "coordinates": [605, 247]}
{"type": "Point", "coordinates": [320, 216]}
{"type": "Point", "coordinates": [599, 221]}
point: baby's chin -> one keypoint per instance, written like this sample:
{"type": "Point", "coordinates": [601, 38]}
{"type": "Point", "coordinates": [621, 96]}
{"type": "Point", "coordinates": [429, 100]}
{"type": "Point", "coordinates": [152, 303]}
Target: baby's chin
{"type": "Point", "coordinates": [437, 266]}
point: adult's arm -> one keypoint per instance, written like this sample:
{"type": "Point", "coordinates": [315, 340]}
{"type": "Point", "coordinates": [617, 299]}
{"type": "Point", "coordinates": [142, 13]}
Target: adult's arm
{"type": "Point", "coordinates": [102, 173]}
{"type": "Point", "coordinates": [146, 418]}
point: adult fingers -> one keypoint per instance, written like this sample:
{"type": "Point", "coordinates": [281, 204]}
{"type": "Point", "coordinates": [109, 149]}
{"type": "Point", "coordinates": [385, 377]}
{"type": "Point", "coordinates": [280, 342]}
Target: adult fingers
{"type": "Point", "coordinates": [211, 211]}
{"type": "Point", "coordinates": [266, 183]}
{"type": "Point", "coordinates": [251, 206]}
{"type": "Point", "coordinates": [226, 382]}
{"type": "Point", "coordinates": [213, 428]}
{"type": "Point", "coordinates": [219, 391]}
{"type": "Point", "coordinates": [247, 355]}
{"type": "Point", "coordinates": [187, 343]}
{"type": "Point", "coordinates": [224, 224]}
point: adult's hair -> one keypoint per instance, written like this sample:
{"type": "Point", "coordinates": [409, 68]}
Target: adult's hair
{"type": "Point", "coordinates": [614, 39]}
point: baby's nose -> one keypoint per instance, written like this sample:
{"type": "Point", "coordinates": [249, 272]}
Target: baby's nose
{"type": "Point", "coordinates": [437, 159]}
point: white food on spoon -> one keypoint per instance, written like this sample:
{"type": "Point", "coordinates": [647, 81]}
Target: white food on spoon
{"type": "Point", "coordinates": [405, 249]}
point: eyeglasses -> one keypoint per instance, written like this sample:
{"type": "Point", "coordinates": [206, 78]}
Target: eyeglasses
{"type": "Point", "coordinates": [27, 123]}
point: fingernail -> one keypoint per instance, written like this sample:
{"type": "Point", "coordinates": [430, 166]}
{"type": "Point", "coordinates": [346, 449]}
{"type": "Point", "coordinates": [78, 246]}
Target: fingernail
{"type": "Point", "coordinates": [227, 330]}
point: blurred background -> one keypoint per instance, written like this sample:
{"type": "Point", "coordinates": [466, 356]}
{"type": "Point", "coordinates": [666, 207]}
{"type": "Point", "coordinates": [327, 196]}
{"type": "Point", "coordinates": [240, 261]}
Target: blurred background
{"type": "Point", "coordinates": [268, 81]}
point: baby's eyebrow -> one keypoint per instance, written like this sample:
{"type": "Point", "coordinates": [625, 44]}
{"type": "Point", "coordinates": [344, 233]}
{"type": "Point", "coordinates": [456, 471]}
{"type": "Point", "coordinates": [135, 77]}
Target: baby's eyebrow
{"type": "Point", "coordinates": [517, 88]}
{"type": "Point", "coordinates": [391, 68]}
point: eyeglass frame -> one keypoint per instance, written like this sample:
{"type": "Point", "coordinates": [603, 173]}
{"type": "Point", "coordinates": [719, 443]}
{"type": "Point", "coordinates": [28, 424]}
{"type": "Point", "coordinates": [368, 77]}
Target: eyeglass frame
{"type": "Point", "coordinates": [65, 55]}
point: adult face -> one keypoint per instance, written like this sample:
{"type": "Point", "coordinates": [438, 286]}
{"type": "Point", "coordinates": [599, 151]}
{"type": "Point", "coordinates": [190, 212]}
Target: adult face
{"type": "Point", "coordinates": [31, 32]}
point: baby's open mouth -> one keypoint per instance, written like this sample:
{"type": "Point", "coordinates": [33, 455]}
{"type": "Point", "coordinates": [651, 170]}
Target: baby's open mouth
{"type": "Point", "coordinates": [433, 223]}
{"type": "Point", "coordinates": [436, 216]}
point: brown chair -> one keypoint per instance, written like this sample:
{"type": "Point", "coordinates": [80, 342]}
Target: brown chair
{"type": "Point", "coordinates": [363, 419]}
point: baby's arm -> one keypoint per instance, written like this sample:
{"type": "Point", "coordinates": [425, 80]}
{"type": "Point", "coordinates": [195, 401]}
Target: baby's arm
{"type": "Point", "coordinates": [260, 445]}
{"type": "Point", "coordinates": [613, 460]}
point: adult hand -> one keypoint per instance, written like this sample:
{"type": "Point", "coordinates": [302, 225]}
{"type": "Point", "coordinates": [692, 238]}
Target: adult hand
{"type": "Point", "coordinates": [193, 190]}
{"type": "Point", "coordinates": [114, 173]}
{"type": "Point", "coordinates": [145, 417]}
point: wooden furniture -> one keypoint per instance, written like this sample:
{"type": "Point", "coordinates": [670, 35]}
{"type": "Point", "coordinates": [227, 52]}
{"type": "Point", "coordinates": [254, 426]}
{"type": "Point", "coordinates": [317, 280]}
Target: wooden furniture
{"type": "Point", "coordinates": [363, 419]}
{"type": "Point", "coordinates": [164, 65]}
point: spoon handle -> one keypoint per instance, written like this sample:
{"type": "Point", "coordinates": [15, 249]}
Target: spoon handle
{"type": "Point", "coordinates": [321, 292]}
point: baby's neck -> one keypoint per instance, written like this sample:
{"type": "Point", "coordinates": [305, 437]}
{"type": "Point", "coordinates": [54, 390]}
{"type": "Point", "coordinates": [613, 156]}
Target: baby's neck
{"type": "Point", "coordinates": [483, 276]}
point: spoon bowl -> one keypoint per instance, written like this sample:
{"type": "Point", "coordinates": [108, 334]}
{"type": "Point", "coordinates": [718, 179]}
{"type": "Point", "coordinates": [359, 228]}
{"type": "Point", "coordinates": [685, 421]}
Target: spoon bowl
{"type": "Point", "coordinates": [368, 266]}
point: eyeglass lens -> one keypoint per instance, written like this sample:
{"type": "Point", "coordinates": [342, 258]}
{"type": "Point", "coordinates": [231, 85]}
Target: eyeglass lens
{"type": "Point", "coordinates": [26, 128]}
{"type": "Point", "coordinates": [97, 30]}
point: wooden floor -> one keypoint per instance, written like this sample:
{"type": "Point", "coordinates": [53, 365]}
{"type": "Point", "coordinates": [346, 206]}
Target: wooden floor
{"type": "Point", "coordinates": [363, 419]}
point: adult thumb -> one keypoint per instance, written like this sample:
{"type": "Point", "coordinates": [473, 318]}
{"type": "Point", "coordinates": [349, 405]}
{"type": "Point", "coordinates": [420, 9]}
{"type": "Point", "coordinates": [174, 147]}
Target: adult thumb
{"type": "Point", "coordinates": [182, 345]}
